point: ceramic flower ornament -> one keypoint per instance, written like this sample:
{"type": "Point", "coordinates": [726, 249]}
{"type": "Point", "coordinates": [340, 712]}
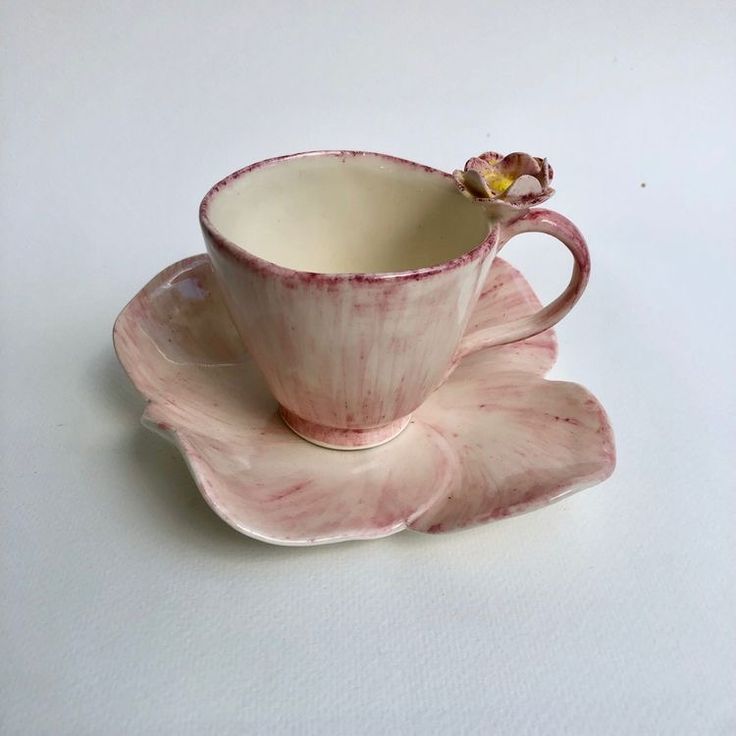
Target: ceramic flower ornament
{"type": "Point", "coordinates": [506, 185]}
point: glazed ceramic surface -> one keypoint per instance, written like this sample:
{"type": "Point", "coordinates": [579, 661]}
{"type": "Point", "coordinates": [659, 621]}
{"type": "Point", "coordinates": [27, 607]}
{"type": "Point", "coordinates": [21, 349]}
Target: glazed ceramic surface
{"type": "Point", "coordinates": [351, 278]}
{"type": "Point", "coordinates": [494, 440]}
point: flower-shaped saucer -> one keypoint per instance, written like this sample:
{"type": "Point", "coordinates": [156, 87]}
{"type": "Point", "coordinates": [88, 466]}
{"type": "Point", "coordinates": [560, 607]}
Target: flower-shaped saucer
{"type": "Point", "coordinates": [496, 439]}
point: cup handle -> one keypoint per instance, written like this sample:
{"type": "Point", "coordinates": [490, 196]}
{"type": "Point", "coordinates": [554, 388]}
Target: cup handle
{"type": "Point", "coordinates": [552, 223]}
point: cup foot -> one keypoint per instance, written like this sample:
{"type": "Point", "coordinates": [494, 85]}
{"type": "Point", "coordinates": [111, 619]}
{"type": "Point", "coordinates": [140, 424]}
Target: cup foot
{"type": "Point", "coordinates": [336, 438]}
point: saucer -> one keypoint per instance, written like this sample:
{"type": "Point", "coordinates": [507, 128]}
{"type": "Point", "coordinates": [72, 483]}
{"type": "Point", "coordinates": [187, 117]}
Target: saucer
{"type": "Point", "coordinates": [496, 439]}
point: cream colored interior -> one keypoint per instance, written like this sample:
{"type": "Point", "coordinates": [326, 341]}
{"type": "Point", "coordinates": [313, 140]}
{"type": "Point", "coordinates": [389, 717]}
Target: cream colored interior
{"type": "Point", "coordinates": [352, 214]}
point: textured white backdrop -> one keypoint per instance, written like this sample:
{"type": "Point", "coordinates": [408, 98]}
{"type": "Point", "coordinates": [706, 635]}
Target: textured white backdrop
{"type": "Point", "coordinates": [128, 608]}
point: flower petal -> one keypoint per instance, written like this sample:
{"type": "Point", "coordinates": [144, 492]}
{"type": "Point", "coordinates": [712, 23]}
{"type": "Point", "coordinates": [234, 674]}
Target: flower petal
{"type": "Point", "coordinates": [547, 173]}
{"type": "Point", "coordinates": [476, 184]}
{"type": "Point", "coordinates": [490, 157]}
{"type": "Point", "coordinates": [516, 164]}
{"type": "Point", "coordinates": [477, 163]}
{"type": "Point", "coordinates": [525, 186]}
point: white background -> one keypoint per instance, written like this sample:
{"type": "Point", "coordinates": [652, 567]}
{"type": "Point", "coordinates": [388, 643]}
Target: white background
{"type": "Point", "coordinates": [128, 608]}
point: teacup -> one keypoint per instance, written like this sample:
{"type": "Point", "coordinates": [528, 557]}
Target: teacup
{"type": "Point", "coordinates": [351, 277]}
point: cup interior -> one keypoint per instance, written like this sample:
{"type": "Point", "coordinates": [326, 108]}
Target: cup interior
{"type": "Point", "coordinates": [346, 213]}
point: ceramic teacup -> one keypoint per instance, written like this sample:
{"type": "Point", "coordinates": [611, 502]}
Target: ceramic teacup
{"type": "Point", "coordinates": [351, 276]}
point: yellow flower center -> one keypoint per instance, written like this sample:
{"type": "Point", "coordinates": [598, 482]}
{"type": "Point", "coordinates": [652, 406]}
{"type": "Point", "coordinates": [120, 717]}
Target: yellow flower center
{"type": "Point", "coordinates": [497, 182]}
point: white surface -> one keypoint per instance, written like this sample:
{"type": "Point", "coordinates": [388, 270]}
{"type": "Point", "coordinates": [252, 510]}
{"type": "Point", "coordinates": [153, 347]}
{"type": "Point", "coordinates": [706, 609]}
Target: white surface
{"type": "Point", "coordinates": [128, 608]}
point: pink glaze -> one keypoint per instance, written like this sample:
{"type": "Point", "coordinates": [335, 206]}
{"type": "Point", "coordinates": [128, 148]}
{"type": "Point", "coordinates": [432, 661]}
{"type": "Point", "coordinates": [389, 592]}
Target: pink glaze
{"type": "Point", "coordinates": [495, 440]}
{"type": "Point", "coordinates": [350, 356]}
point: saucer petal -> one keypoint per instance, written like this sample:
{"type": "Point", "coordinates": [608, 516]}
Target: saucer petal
{"type": "Point", "coordinates": [269, 484]}
{"type": "Point", "coordinates": [524, 443]}
{"type": "Point", "coordinates": [506, 296]}
{"type": "Point", "coordinates": [178, 318]}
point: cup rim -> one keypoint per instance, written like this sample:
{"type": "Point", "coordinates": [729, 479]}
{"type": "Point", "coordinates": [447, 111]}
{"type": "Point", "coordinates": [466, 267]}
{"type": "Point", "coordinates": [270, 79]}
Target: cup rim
{"type": "Point", "coordinates": [265, 266]}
